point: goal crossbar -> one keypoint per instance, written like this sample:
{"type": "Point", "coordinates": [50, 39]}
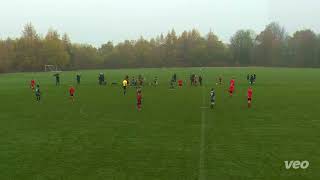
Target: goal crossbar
{"type": "Point", "coordinates": [51, 68]}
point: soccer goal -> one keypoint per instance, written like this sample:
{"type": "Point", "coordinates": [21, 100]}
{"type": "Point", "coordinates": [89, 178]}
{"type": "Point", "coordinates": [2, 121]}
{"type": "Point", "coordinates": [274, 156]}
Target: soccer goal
{"type": "Point", "coordinates": [51, 68]}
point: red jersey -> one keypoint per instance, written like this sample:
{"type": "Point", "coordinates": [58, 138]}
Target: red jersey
{"type": "Point", "coordinates": [180, 82]}
{"type": "Point", "coordinates": [33, 82]}
{"type": "Point", "coordinates": [249, 93]}
{"type": "Point", "coordinates": [139, 98]}
{"type": "Point", "coordinates": [72, 90]}
{"type": "Point", "coordinates": [232, 82]}
{"type": "Point", "coordinates": [231, 88]}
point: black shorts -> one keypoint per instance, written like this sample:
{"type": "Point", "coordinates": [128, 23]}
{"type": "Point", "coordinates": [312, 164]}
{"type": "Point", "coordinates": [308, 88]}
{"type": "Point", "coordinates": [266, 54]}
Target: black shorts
{"type": "Point", "coordinates": [71, 95]}
{"type": "Point", "coordinates": [124, 87]}
{"type": "Point", "coordinates": [249, 99]}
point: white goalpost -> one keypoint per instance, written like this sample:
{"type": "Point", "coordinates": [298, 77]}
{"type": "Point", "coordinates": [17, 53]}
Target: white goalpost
{"type": "Point", "coordinates": [51, 68]}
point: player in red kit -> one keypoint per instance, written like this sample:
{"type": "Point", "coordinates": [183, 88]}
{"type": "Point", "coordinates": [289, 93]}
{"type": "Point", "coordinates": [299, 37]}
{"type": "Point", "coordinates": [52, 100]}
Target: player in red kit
{"type": "Point", "coordinates": [71, 92]}
{"type": "Point", "coordinates": [231, 90]}
{"type": "Point", "coordinates": [232, 82]}
{"type": "Point", "coordinates": [232, 86]}
{"type": "Point", "coordinates": [33, 84]}
{"type": "Point", "coordinates": [249, 96]}
{"type": "Point", "coordinates": [180, 82]}
{"type": "Point", "coordinates": [139, 99]}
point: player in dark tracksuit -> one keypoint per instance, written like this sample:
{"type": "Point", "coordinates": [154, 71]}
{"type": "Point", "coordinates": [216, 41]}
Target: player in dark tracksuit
{"type": "Point", "coordinates": [78, 78]}
{"type": "Point", "coordinates": [174, 77]}
{"type": "Point", "coordinates": [38, 93]}
{"type": "Point", "coordinates": [57, 79]}
{"type": "Point", "coordinates": [251, 79]}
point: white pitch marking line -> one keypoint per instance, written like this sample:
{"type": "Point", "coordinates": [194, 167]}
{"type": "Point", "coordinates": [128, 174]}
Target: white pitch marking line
{"type": "Point", "coordinates": [202, 170]}
{"type": "Point", "coordinates": [205, 107]}
{"type": "Point", "coordinates": [81, 111]}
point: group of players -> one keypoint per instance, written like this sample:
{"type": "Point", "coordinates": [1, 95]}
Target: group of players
{"type": "Point", "coordinates": [36, 87]}
{"type": "Point", "coordinates": [231, 91]}
{"type": "Point", "coordinates": [125, 84]}
{"type": "Point", "coordinates": [251, 78]}
{"type": "Point", "coordinates": [138, 84]}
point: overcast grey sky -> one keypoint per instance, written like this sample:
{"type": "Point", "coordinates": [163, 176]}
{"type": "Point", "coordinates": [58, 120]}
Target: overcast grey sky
{"type": "Point", "coordinates": [98, 21]}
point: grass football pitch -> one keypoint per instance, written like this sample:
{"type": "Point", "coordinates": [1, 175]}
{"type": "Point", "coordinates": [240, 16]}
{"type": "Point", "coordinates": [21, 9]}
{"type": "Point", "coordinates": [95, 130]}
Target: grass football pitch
{"type": "Point", "coordinates": [175, 136]}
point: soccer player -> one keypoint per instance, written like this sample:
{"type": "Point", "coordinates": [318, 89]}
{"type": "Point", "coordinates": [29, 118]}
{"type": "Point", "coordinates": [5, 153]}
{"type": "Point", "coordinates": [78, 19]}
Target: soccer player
{"type": "Point", "coordinates": [212, 98]}
{"type": "Point", "coordinates": [101, 79]}
{"type": "Point", "coordinates": [71, 92]}
{"type": "Point", "coordinates": [140, 80]}
{"type": "Point", "coordinates": [174, 77]}
{"type": "Point", "coordinates": [231, 90]}
{"type": "Point", "coordinates": [32, 84]}
{"type": "Point", "coordinates": [124, 85]}
{"type": "Point", "coordinates": [57, 75]}
{"type": "Point", "coordinates": [139, 99]}
{"type": "Point", "coordinates": [171, 84]}
{"type": "Point", "coordinates": [249, 96]}
{"type": "Point", "coordinates": [220, 80]}
{"type": "Point", "coordinates": [38, 93]}
{"type": "Point", "coordinates": [251, 79]}
{"type": "Point", "coordinates": [232, 81]}
{"type": "Point", "coordinates": [180, 83]}
{"type": "Point", "coordinates": [155, 81]}
{"type": "Point", "coordinates": [78, 77]}
{"type": "Point", "coordinates": [133, 82]}
{"type": "Point", "coordinates": [248, 76]}
{"type": "Point", "coordinates": [195, 80]}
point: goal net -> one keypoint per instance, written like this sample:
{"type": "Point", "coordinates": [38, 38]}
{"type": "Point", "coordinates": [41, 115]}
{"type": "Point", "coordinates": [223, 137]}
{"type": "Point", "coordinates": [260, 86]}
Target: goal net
{"type": "Point", "coordinates": [51, 68]}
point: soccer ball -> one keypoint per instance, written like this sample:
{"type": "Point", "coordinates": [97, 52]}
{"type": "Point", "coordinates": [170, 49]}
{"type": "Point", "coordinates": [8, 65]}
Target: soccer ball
{"type": "Point", "coordinates": [216, 83]}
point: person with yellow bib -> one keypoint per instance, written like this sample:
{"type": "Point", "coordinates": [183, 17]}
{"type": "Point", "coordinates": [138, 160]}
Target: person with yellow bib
{"type": "Point", "coordinates": [124, 84]}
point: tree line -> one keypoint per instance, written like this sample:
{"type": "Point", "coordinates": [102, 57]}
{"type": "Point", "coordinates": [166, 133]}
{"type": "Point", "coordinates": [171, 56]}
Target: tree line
{"type": "Point", "coordinates": [271, 47]}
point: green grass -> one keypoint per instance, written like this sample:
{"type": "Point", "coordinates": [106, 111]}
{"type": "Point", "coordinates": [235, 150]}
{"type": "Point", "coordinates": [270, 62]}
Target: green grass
{"type": "Point", "coordinates": [102, 136]}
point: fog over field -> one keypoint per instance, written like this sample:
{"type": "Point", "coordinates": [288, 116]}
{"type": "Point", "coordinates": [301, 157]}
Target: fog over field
{"type": "Point", "coordinates": [98, 21]}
